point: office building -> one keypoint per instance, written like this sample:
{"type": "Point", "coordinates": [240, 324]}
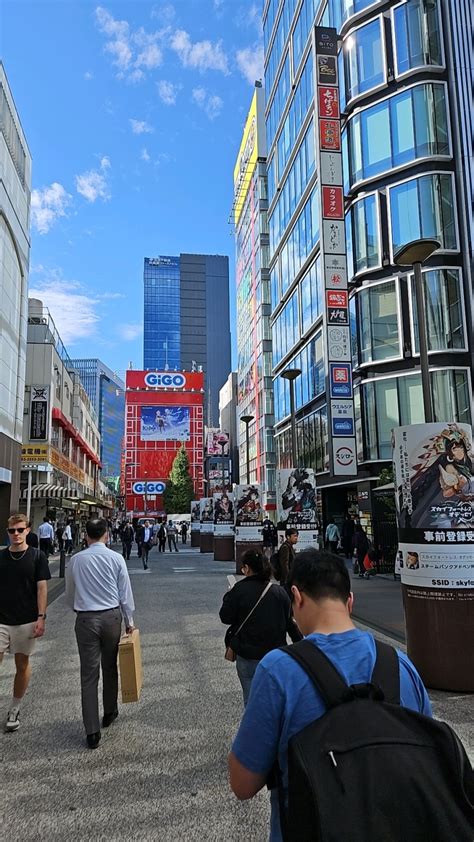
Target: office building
{"type": "Point", "coordinates": [107, 393]}
{"type": "Point", "coordinates": [228, 420]}
{"type": "Point", "coordinates": [405, 76]}
{"type": "Point", "coordinates": [15, 187]}
{"type": "Point", "coordinates": [254, 347]}
{"type": "Point", "coordinates": [186, 320]}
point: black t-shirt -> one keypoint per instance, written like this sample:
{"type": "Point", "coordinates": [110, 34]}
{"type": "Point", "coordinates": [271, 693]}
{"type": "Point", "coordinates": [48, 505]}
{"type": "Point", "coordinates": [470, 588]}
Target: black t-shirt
{"type": "Point", "coordinates": [19, 575]}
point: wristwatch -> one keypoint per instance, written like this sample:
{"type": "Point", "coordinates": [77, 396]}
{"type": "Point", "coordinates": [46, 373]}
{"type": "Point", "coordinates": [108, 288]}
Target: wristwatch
{"type": "Point", "coordinates": [42, 616]}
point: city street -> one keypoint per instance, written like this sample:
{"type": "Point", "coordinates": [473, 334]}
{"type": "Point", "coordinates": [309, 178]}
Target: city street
{"type": "Point", "coordinates": [160, 770]}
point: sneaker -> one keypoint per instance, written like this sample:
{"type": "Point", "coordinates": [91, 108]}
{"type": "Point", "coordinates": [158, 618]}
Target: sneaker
{"type": "Point", "coordinates": [13, 720]}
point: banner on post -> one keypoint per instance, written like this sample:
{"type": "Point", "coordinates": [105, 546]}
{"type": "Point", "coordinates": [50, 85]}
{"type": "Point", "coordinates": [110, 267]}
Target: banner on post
{"type": "Point", "coordinates": [296, 503]}
{"type": "Point", "coordinates": [223, 514]}
{"type": "Point", "coordinates": [248, 512]}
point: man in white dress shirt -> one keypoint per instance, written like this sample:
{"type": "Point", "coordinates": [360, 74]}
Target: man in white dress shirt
{"type": "Point", "coordinates": [98, 589]}
{"type": "Point", "coordinates": [46, 537]}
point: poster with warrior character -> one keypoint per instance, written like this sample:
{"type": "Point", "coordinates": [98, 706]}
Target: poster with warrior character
{"type": "Point", "coordinates": [434, 492]}
{"type": "Point", "coordinates": [248, 512]}
{"type": "Point", "coordinates": [195, 514]}
{"type": "Point", "coordinates": [223, 513]}
{"type": "Point", "coordinates": [207, 514]}
{"type": "Point", "coordinates": [296, 503]}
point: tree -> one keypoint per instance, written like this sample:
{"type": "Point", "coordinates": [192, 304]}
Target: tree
{"type": "Point", "coordinates": [180, 488]}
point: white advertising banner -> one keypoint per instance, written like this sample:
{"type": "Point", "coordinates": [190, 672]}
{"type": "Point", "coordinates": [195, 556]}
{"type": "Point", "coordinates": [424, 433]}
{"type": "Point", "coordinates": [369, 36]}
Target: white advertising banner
{"type": "Point", "coordinates": [195, 516]}
{"type": "Point", "coordinates": [207, 514]}
{"type": "Point", "coordinates": [248, 512]}
{"type": "Point", "coordinates": [224, 514]}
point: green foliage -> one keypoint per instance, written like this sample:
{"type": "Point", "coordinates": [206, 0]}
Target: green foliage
{"type": "Point", "coordinates": [386, 476]}
{"type": "Point", "coordinates": [179, 488]}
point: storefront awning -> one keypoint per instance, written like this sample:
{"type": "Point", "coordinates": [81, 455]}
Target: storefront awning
{"type": "Point", "coordinates": [56, 492]}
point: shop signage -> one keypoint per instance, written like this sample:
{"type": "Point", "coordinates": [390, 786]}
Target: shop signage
{"type": "Point", "coordinates": [39, 413]}
{"type": "Point", "coordinates": [333, 250]}
{"type": "Point", "coordinates": [149, 487]}
{"type": "Point", "coordinates": [34, 454]}
{"type": "Point", "coordinates": [158, 379]}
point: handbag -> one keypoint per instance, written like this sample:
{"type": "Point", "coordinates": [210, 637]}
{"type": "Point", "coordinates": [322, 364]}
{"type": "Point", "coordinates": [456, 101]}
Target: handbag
{"type": "Point", "coordinates": [229, 653]}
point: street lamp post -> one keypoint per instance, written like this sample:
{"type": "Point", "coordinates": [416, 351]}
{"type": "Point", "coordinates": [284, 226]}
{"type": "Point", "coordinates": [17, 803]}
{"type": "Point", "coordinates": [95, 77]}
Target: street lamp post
{"type": "Point", "coordinates": [145, 473]}
{"type": "Point", "coordinates": [291, 374]}
{"type": "Point", "coordinates": [414, 254]}
{"type": "Point", "coordinates": [247, 419]}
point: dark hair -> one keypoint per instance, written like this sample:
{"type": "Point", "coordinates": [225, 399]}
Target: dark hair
{"type": "Point", "coordinates": [258, 563]}
{"type": "Point", "coordinates": [96, 528]}
{"type": "Point", "coordinates": [321, 575]}
{"type": "Point", "coordinates": [290, 531]}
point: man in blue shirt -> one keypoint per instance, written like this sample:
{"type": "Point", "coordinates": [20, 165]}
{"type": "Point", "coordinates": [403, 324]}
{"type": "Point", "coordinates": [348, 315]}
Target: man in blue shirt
{"type": "Point", "coordinates": [283, 699]}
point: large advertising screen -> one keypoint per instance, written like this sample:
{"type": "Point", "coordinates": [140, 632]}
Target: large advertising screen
{"type": "Point", "coordinates": [165, 423]}
{"type": "Point", "coordinates": [217, 442]}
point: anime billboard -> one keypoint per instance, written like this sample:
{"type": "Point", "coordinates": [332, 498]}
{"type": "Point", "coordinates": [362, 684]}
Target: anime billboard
{"type": "Point", "coordinates": [195, 514]}
{"type": "Point", "coordinates": [217, 442]}
{"type": "Point", "coordinates": [248, 512]}
{"type": "Point", "coordinates": [165, 423]}
{"type": "Point", "coordinates": [223, 513]}
{"type": "Point", "coordinates": [207, 514]}
{"type": "Point", "coordinates": [434, 489]}
{"type": "Point", "coordinates": [296, 502]}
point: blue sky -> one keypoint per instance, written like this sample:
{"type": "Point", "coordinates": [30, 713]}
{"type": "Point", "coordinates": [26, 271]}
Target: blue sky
{"type": "Point", "coordinates": [133, 113]}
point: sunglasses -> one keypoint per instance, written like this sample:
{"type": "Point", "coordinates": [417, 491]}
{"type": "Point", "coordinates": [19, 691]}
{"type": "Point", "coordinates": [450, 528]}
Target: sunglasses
{"type": "Point", "coordinates": [19, 529]}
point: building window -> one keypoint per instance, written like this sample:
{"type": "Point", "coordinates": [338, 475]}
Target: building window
{"type": "Point", "coordinates": [301, 30]}
{"type": "Point", "coordinates": [363, 235]}
{"type": "Point", "coordinates": [293, 188]}
{"type": "Point", "coordinates": [417, 35]}
{"type": "Point", "coordinates": [311, 296]}
{"type": "Point", "coordinates": [279, 101]}
{"type": "Point", "coordinates": [379, 324]}
{"type": "Point", "coordinates": [423, 207]}
{"type": "Point", "coordinates": [364, 59]}
{"type": "Point", "coordinates": [397, 131]}
{"type": "Point", "coordinates": [444, 311]}
{"type": "Point", "coordinates": [296, 115]}
{"type": "Point", "coordinates": [286, 329]}
{"type": "Point", "coordinates": [301, 241]}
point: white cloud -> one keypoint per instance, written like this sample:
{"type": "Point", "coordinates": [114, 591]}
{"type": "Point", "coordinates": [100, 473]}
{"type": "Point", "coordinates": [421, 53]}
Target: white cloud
{"type": "Point", "coordinates": [93, 184]}
{"type": "Point", "coordinates": [74, 311]}
{"type": "Point", "coordinates": [164, 14]}
{"type": "Point", "coordinates": [88, 75]}
{"type": "Point", "coordinates": [141, 127]}
{"type": "Point", "coordinates": [250, 62]}
{"type": "Point", "coordinates": [130, 331]}
{"type": "Point", "coordinates": [144, 155]}
{"type": "Point", "coordinates": [211, 104]}
{"type": "Point", "coordinates": [203, 55]}
{"type": "Point", "coordinates": [110, 296]}
{"type": "Point", "coordinates": [167, 91]}
{"type": "Point", "coordinates": [48, 205]}
{"type": "Point", "coordinates": [133, 52]}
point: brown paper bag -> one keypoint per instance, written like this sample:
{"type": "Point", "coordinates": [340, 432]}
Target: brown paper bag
{"type": "Point", "coordinates": [130, 666]}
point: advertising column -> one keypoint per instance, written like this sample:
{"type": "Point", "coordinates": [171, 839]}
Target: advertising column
{"type": "Point", "coordinates": [207, 524]}
{"type": "Point", "coordinates": [333, 259]}
{"type": "Point", "coordinates": [434, 488]}
{"type": "Point", "coordinates": [248, 520]}
{"type": "Point", "coordinates": [195, 524]}
{"type": "Point", "coordinates": [223, 526]}
{"type": "Point", "coordinates": [296, 501]}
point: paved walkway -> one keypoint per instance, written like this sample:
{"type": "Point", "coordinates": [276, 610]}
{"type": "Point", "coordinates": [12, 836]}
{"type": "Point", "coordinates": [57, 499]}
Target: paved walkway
{"type": "Point", "coordinates": [160, 770]}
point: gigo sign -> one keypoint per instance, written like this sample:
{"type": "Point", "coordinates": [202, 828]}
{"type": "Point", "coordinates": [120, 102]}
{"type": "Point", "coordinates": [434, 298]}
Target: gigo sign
{"type": "Point", "coordinates": [173, 379]}
{"type": "Point", "coordinates": [149, 487]}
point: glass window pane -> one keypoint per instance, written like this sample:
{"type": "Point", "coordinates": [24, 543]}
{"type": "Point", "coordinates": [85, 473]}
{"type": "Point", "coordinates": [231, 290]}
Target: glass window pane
{"type": "Point", "coordinates": [375, 131]}
{"type": "Point", "coordinates": [417, 35]}
{"type": "Point", "coordinates": [411, 400]}
{"type": "Point", "coordinates": [387, 415]}
{"type": "Point", "coordinates": [462, 397]}
{"type": "Point", "coordinates": [405, 213]}
{"type": "Point", "coordinates": [443, 310]}
{"type": "Point", "coordinates": [372, 232]}
{"type": "Point", "coordinates": [403, 136]}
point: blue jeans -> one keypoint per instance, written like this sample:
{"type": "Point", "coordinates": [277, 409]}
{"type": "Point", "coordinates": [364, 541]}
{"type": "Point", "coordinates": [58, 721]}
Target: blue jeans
{"type": "Point", "coordinates": [245, 670]}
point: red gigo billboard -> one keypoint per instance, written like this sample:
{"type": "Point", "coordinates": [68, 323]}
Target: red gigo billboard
{"type": "Point", "coordinates": [163, 411]}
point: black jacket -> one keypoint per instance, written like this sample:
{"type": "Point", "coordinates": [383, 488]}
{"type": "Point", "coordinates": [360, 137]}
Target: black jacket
{"type": "Point", "coordinates": [269, 624]}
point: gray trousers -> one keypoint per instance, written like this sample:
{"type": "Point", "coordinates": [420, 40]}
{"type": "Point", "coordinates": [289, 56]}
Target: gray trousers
{"type": "Point", "coordinates": [98, 635]}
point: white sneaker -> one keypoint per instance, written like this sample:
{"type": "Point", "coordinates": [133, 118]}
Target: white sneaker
{"type": "Point", "coordinates": [13, 720]}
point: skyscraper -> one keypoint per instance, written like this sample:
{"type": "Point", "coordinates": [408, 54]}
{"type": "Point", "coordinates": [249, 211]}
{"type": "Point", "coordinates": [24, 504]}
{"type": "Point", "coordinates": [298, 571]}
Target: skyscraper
{"type": "Point", "coordinates": [186, 319]}
{"type": "Point", "coordinates": [106, 392]}
{"type": "Point", "coordinates": [405, 76]}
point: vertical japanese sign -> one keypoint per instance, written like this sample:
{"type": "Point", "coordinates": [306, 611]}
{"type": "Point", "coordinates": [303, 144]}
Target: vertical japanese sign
{"type": "Point", "coordinates": [39, 413]}
{"type": "Point", "coordinates": [343, 459]}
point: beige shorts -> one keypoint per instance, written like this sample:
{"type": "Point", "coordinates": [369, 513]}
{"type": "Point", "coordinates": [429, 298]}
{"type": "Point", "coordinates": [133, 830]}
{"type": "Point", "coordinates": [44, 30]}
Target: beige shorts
{"type": "Point", "coordinates": [18, 640]}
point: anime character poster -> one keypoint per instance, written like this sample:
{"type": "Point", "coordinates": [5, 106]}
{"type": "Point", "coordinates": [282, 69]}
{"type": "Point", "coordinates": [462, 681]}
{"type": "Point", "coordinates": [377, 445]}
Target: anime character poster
{"type": "Point", "coordinates": [434, 489]}
{"type": "Point", "coordinates": [248, 512]}
{"type": "Point", "coordinates": [223, 513]}
{"type": "Point", "coordinates": [165, 423]}
{"type": "Point", "coordinates": [207, 514]}
{"type": "Point", "coordinates": [195, 515]}
{"type": "Point", "coordinates": [217, 442]}
{"type": "Point", "coordinates": [296, 502]}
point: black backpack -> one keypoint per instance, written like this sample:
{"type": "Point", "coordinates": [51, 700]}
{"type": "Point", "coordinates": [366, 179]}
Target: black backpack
{"type": "Point", "coordinates": [276, 565]}
{"type": "Point", "coordinates": [370, 770]}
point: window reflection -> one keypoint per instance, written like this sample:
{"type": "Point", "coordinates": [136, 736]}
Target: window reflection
{"type": "Point", "coordinates": [423, 207]}
{"type": "Point", "coordinates": [445, 326]}
{"type": "Point", "coordinates": [363, 59]}
{"type": "Point", "coordinates": [379, 329]}
{"type": "Point", "coordinates": [417, 35]}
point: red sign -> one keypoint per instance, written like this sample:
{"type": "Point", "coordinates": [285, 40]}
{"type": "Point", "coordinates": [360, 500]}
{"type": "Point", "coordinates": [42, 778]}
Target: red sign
{"type": "Point", "coordinates": [336, 298]}
{"type": "Point", "coordinates": [333, 203]}
{"type": "Point", "coordinates": [329, 102]}
{"type": "Point", "coordinates": [330, 135]}
{"type": "Point", "coordinates": [169, 380]}
{"type": "Point", "coordinates": [340, 374]}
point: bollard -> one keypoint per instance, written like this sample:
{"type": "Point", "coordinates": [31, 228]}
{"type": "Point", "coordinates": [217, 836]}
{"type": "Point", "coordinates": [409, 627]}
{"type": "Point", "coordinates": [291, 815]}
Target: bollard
{"type": "Point", "coordinates": [62, 564]}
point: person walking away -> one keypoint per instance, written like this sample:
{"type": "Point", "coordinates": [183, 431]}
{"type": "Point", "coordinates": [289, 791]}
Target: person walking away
{"type": "Point", "coordinates": [172, 536]}
{"type": "Point", "coordinates": [46, 537]}
{"type": "Point", "coordinates": [360, 544]}
{"type": "Point", "coordinates": [259, 615]}
{"type": "Point", "coordinates": [269, 537]}
{"type": "Point", "coordinates": [184, 532]}
{"type": "Point", "coordinates": [127, 540]}
{"type": "Point", "coordinates": [347, 533]}
{"type": "Point", "coordinates": [59, 537]}
{"type": "Point", "coordinates": [24, 572]}
{"type": "Point", "coordinates": [147, 543]}
{"type": "Point", "coordinates": [286, 554]}
{"type": "Point", "coordinates": [139, 534]}
{"type": "Point", "coordinates": [282, 698]}
{"type": "Point", "coordinates": [162, 538]}
{"type": "Point", "coordinates": [31, 537]}
{"type": "Point", "coordinates": [98, 589]}
{"type": "Point", "coordinates": [333, 536]}
{"type": "Point", "coordinates": [67, 538]}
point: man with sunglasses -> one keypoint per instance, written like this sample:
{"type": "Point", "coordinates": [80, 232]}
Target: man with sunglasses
{"type": "Point", "coordinates": [24, 572]}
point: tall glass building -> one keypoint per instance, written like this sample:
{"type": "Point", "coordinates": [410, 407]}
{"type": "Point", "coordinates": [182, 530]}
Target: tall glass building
{"type": "Point", "coordinates": [405, 76]}
{"type": "Point", "coordinates": [107, 394]}
{"type": "Point", "coordinates": [255, 388]}
{"type": "Point", "coordinates": [186, 319]}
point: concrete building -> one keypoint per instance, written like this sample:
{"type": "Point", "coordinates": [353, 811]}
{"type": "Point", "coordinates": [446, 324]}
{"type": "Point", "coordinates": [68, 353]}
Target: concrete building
{"type": "Point", "coordinates": [254, 346]}
{"type": "Point", "coordinates": [61, 442]}
{"type": "Point", "coordinates": [15, 187]}
{"type": "Point", "coordinates": [186, 320]}
{"type": "Point", "coordinates": [107, 393]}
{"type": "Point", "coordinates": [405, 77]}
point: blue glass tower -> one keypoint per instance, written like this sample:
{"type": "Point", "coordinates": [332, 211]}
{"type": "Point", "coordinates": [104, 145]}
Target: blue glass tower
{"type": "Point", "coordinates": [162, 345]}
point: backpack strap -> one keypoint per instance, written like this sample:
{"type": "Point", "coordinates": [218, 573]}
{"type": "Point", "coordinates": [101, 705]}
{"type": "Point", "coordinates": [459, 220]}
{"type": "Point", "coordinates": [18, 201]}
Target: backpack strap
{"type": "Point", "coordinates": [322, 672]}
{"type": "Point", "coordinates": [386, 674]}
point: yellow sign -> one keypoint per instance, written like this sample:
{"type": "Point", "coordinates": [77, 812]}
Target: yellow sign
{"type": "Point", "coordinates": [39, 454]}
{"type": "Point", "coordinates": [35, 453]}
{"type": "Point", "coordinates": [246, 160]}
